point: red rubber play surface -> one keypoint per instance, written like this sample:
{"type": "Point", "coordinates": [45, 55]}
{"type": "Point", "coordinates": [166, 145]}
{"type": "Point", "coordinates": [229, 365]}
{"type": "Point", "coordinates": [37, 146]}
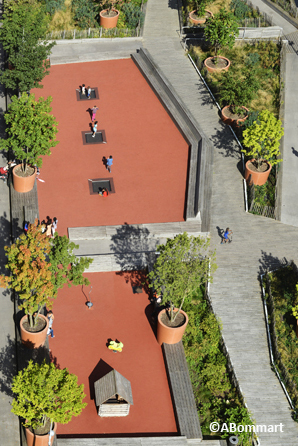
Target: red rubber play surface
{"type": "Point", "coordinates": [150, 154]}
{"type": "Point", "coordinates": [80, 345]}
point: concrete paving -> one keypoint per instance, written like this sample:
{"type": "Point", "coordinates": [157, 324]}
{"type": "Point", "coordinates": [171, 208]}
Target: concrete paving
{"type": "Point", "coordinates": [87, 50]}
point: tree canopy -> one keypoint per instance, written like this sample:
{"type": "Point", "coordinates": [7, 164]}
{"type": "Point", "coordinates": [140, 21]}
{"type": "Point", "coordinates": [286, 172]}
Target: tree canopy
{"type": "Point", "coordinates": [46, 392]}
{"type": "Point", "coordinates": [221, 30]}
{"type": "Point", "coordinates": [31, 129]}
{"type": "Point", "coordinates": [39, 266]}
{"type": "Point", "coordinates": [23, 30]}
{"type": "Point", "coordinates": [182, 265]}
{"type": "Point", "coordinates": [262, 138]}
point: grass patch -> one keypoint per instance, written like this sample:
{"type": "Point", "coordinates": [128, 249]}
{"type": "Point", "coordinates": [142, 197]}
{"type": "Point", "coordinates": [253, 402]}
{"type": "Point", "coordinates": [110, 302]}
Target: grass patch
{"type": "Point", "coordinates": [215, 395]}
{"type": "Point", "coordinates": [283, 325]}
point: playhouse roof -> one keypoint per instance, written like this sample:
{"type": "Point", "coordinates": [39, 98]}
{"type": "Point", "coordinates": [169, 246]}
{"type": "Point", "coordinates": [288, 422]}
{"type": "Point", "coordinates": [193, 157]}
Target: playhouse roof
{"type": "Point", "coordinates": [111, 384]}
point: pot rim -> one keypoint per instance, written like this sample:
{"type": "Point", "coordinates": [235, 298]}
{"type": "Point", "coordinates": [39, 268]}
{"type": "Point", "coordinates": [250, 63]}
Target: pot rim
{"type": "Point", "coordinates": [166, 326]}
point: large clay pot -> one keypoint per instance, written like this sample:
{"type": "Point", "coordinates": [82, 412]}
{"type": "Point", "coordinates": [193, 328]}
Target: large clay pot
{"type": "Point", "coordinates": [211, 69]}
{"type": "Point", "coordinates": [108, 22]}
{"type": "Point", "coordinates": [23, 184]}
{"type": "Point", "coordinates": [258, 178]}
{"type": "Point", "coordinates": [234, 122]}
{"type": "Point", "coordinates": [34, 340]}
{"type": "Point", "coordinates": [39, 440]}
{"type": "Point", "coordinates": [170, 335]}
{"type": "Point", "coordinates": [200, 20]}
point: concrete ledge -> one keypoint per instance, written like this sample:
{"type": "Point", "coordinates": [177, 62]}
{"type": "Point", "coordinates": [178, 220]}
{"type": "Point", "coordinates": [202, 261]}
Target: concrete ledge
{"type": "Point", "coordinates": [201, 152]}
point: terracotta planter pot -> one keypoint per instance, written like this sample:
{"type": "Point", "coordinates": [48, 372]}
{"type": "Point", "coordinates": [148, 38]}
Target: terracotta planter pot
{"type": "Point", "coordinates": [23, 184]}
{"type": "Point", "coordinates": [199, 21]}
{"type": "Point", "coordinates": [227, 120]}
{"type": "Point", "coordinates": [39, 440]}
{"type": "Point", "coordinates": [258, 178]}
{"type": "Point", "coordinates": [170, 335]}
{"type": "Point", "coordinates": [211, 69]}
{"type": "Point", "coordinates": [34, 340]}
{"type": "Point", "coordinates": [108, 22]}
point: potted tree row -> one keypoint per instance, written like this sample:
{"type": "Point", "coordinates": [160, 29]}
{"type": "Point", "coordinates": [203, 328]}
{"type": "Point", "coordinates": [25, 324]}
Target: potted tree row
{"type": "Point", "coordinates": [31, 134]}
{"type": "Point", "coordinates": [38, 267]}
{"type": "Point", "coordinates": [261, 142]}
{"type": "Point", "coordinates": [45, 396]}
{"type": "Point", "coordinates": [183, 264]}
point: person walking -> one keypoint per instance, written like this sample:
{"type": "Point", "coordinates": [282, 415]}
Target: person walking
{"type": "Point", "coordinates": [94, 129]}
{"type": "Point", "coordinates": [93, 110]}
{"type": "Point", "coordinates": [109, 163]}
{"type": "Point", "coordinates": [226, 236]}
{"type": "Point", "coordinates": [51, 318]}
{"type": "Point", "coordinates": [54, 226]}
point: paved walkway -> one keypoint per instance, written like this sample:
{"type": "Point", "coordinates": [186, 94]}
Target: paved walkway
{"type": "Point", "coordinates": [258, 243]}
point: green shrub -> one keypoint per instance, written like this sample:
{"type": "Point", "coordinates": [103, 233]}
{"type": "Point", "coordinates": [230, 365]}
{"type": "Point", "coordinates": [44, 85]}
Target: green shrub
{"type": "Point", "coordinates": [252, 60]}
{"type": "Point", "coordinates": [133, 15]}
{"type": "Point", "coordinates": [240, 9]}
{"type": "Point", "coordinates": [84, 13]}
{"type": "Point", "coordinates": [216, 398]}
{"type": "Point", "coordinates": [53, 5]}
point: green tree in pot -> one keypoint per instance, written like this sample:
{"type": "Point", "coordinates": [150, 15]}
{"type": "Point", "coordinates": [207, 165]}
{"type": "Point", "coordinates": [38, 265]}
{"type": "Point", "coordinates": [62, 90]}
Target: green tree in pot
{"type": "Point", "coordinates": [38, 267]}
{"type": "Point", "coordinates": [23, 30]}
{"type": "Point", "coordinates": [109, 6]}
{"type": "Point", "coordinates": [261, 139]}
{"type": "Point", "coordinates": [31, 130]}
{"type": "Point", "coordinates": [199, 7]}
{"type": "Point", "coordinates": [182, 265]}
{"type": "Point", "coordinates": [238, 90]}
{"type": "Point", "coordinates": [46, 395]}
{"type": "Point", "coordinates": [221, 30]}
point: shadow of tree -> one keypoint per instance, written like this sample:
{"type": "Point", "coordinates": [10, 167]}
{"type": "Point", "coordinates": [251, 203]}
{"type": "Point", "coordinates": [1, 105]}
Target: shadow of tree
{"type": "Point", "coordinates": [173, 4]}
{"type": "Point", "coordinates": [7, 366]}
{"type": "Point", "coordinates": [133, 251]}
{"type": "Point", "coordinates": [269, 262]}
{"type": "Point", "coordinates": [224, 143]}
{"type": "Point", "coordinates": [4, 241]}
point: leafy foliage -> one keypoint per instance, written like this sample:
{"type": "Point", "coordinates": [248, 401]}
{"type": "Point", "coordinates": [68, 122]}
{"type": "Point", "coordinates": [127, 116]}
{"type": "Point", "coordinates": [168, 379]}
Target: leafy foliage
{"type": "Point", "coordinates": [216, 398]}
{"type": "Point", "coordinates": [85, 13]}
{"type": "Point", "coordinates": [24, 24]}
{"type": "Point", "coordinates": [34, 277]}
{"type": "Point", "coordinates": [238, 90]}
{"type": "Point", "coordinates": [45, 392]}
{"type": "Point", "coordinates": [240, 9]}
{"type": "Point", "coordinates": [31, 129]}
{"type": "Point", "coordinates": [181, 266]}
{"type": "Point", "coordinates": [133, 15]}
{"type": "Point", "coordinates": [51, 6]}
{"type": "Point", "coordinates": [221, 30]}
{"type": "Point", "coordinates": [262, 138]}
{"type": "Point", "coordinates": [60, 257]}
{"type": "Point", "coordinates": [283, 284]}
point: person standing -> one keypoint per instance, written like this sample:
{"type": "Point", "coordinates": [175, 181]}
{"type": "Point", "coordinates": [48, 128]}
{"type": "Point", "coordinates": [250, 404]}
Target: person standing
{"type": "Point", "coordinates": [93, 110]}
{"type": "Point", "coordinates": [109, 163]}
{"type": "Point", "coordinates": [94, 129]}
{"type": "Point", "coordinates": [88, 94]}
{"type": "Point", "coordinates": [54, 226]}
{"type": "Point", "coordinates": [83, 89]}
{"type": "Point", "coordinates": [49, 227]}
{"type": "Point", "coordinates": [51, 318]}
